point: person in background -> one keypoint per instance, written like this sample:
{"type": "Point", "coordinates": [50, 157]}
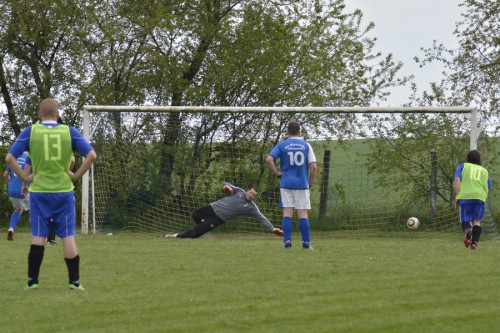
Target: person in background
{"type": "Point", "coordinates": [20, 201]}
{"type": "Point", "coordinates": [472, 185]}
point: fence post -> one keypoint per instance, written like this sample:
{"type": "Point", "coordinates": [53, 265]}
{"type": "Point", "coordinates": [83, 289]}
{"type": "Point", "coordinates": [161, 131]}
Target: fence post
{"type": "Point", "coordinates": [433, 187]}
{"type": "Point", "coordinates": [325, 180]}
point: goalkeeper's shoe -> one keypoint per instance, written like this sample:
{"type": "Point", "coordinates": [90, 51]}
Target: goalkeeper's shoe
{"type": "Point", "coordinates": [10, 234]}
{"type": "Point", "coordinates": [170, 235]}
{"type": "Point", "coordinates": [34, 286]}
{"type": "Point", "coordinates": [76, 287]}
{"type": "Point", "coordinates": [467, 238]}
{"type": "Point", "coordinates": [473, 246]}
{"type": "Point", "coordinates": [278, 232]}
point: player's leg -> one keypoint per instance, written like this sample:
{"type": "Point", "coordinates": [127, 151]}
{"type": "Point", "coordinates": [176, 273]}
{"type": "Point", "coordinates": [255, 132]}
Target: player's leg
{"type": "Point", "coordinates": [476, 224]}
{"type": "Point", "coordinates": [35, 259]}
{"type": "Point", "coordinates": [51, 238]}
{"type": "Point", "coordinates": [286, 226]}
{"type": "Point", "coordinates": [200, 213]}
{"type": "Point", "coordinates": [303, 205]}
{"type": "Point", "coordinates": [15, 217]}
{"type": "Point", "coordinates": [72, 259]}
{"type": "Point", "coordinates": [287, 202]}
{"type": "Point", "coordinates": [14, 220]}
{"type": "Point", "coordinates": [467, 230]}
{"type": "Point", "coordinates": [476, 234]}
{"type": "Point", "coordinates": [39, 230]}
{"type": "Point", "coordinates": [466, 218]}
{"type": "Point", "coordinates": [305, 228]}
{"type": "Point", "coordinates": [209, 223]}
{"type": "Point", "coordinates": [65, 224]}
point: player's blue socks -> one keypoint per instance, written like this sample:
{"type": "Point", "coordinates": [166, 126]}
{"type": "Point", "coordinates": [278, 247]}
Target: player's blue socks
{"type": "Point", "coordinates": [305, 231]}
{"type": "Point", "coordinates": [14, 220]}
{"type": "Point", "coordinates": [287, 230]}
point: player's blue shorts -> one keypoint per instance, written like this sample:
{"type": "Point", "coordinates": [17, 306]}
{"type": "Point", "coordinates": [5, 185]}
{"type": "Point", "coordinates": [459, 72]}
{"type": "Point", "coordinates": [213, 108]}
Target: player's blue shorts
{"type": "Point", "coordinates": [59, 207]}
{"type": "Point", "coordinates": [471, 211]}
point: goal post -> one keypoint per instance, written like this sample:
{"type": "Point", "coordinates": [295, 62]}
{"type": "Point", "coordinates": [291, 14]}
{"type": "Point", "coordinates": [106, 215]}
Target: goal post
{"type": "Point", "coordinates": [187, 149]}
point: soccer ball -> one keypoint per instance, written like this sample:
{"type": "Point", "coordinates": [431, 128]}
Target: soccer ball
{"type": "Point", "coordinates": [413, 223]}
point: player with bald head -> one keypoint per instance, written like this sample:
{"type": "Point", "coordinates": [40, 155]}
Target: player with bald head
{"type": "Point", "coordinates": [49, 109]}
{"type": "Point", "coordinates": [50, 146]}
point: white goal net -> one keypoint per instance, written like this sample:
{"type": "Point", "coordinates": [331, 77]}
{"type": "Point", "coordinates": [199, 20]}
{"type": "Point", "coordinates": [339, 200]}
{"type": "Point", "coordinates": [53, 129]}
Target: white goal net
{"type": "Point", "coordinates": [156, 165]}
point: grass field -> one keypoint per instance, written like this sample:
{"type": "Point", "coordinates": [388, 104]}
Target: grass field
{"type": "Point", "coordinates": [141, 283]}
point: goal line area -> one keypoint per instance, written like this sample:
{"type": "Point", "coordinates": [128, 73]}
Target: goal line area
{"type": "Point", "coordinates": [156, 165]}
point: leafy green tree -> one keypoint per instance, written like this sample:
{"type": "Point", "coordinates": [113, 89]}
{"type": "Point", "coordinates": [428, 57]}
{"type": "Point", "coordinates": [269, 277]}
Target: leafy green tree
{"type": "Point", "coordinates": [198, 52]}
{"type": "Point", "coordinates": [471, 71]}
{"type": "Point", "coordinates": [36, 61]}
{"type": "Point", "coordinates": [265, 53]}
{"type": "Point", "coordinates": [471, 79]}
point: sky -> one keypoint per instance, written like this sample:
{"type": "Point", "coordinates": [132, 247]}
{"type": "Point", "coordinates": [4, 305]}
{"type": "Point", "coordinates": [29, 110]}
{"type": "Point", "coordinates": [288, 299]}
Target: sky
{"type": "Point", "coordinates": [402, 27]}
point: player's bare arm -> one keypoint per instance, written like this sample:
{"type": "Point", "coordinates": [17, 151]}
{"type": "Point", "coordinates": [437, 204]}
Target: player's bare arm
{"type": "Point", "coordinates": [6, 176]}
{"type": "Point", "coordinates": [313, 170]}
{"type": "Point", "coordinates": [457, 184]}
{"type": "Point", "coordinates": [87, 163]}
{"type": "Point", "coordinates": [16, 168]}
{"type": "Point", "coordinates": [24, 189]}
{"type": "Point", "coordinates": [272, 166]}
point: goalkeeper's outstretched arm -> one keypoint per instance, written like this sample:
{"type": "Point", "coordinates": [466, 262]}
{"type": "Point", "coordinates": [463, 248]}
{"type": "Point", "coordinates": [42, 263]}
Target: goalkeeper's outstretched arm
{"type": "Point", "coordinates": [265, 221]}
{"type": "Point", "coordinates": [228, 188]}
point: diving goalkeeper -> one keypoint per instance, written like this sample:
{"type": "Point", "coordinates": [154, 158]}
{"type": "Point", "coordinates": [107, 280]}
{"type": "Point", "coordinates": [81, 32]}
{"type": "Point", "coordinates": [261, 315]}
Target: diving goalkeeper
{"type": "Point", "coordinates": [237, 202]}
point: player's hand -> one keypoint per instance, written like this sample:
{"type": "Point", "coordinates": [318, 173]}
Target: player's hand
{"type": "Point", "coordinates": [24, 190]}
{"type": "Point", "coordinates": [28, 178]}
{"type": "Point", "coordinates": [278, 232]}
{"type": "Point", "coordinates": [228, 189]}
{"type": "Point", "coordinates": [72, 175]}
{"type": "Point", "coordinates": [279, 175]}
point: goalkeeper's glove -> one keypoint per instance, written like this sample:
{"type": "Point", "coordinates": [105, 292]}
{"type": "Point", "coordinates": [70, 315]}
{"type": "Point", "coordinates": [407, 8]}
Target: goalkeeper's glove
{"type": "Point", "coordinates": [228, 189]}
{"type": "Point", "coordinates": [278, 232]}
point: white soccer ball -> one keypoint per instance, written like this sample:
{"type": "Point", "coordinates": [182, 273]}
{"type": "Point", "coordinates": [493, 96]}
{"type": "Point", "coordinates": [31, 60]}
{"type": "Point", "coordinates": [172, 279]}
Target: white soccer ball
{"type": "Point", "coordinates": [413, 223]}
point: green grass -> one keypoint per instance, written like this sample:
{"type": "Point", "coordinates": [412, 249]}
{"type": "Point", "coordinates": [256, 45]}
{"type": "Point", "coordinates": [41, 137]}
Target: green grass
{"type": "Point", "coordinates": [141, 283]}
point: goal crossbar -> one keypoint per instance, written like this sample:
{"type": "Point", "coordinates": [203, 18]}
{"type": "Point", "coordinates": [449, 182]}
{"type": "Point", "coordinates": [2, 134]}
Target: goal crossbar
{"type": "Point", "coordinates": [286, 109]}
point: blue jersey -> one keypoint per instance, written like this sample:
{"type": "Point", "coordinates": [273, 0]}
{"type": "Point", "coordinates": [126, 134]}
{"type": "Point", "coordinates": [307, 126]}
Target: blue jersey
{"type": "Point", "coordinates": [16, 184]}
{"type": "Point", "coordinates": [78, 142]}
{"type": "Point", "coordinates": [295, 155]}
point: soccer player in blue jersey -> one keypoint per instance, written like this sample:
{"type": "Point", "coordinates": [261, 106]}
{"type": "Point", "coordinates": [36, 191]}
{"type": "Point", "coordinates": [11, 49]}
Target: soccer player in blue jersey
{"type": "Point", "coordinates": [51, 146]}
{"type": "Point", "coordinates": [472, 185]}
{"type": "Point", "coordinates": [20, 202]}
{"type": "Point", "coordinates": [297, 172]}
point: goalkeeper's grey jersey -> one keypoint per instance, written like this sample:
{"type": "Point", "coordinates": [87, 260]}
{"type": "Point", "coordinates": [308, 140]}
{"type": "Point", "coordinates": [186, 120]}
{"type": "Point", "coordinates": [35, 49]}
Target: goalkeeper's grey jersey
{"type": "Point", "coordinates": [236, 204]}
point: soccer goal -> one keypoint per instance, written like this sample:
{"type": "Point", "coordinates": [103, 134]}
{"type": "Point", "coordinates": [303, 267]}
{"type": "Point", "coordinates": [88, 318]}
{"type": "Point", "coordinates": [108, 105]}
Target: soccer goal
{"type": "Point", "coordinates": [156, 165]}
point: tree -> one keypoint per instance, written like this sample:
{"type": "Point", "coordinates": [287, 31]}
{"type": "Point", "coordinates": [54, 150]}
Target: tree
{"type": "Point", "coordinates": [265, 53]}
{"type": "Point", "coordinates": [471, 72]}
{"type": "Point", "coordinates": [35, 58]}
{"type": "Point", "coordinates": [199, 52]}
{"type": "Point", "coordinates": [471, 79]}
